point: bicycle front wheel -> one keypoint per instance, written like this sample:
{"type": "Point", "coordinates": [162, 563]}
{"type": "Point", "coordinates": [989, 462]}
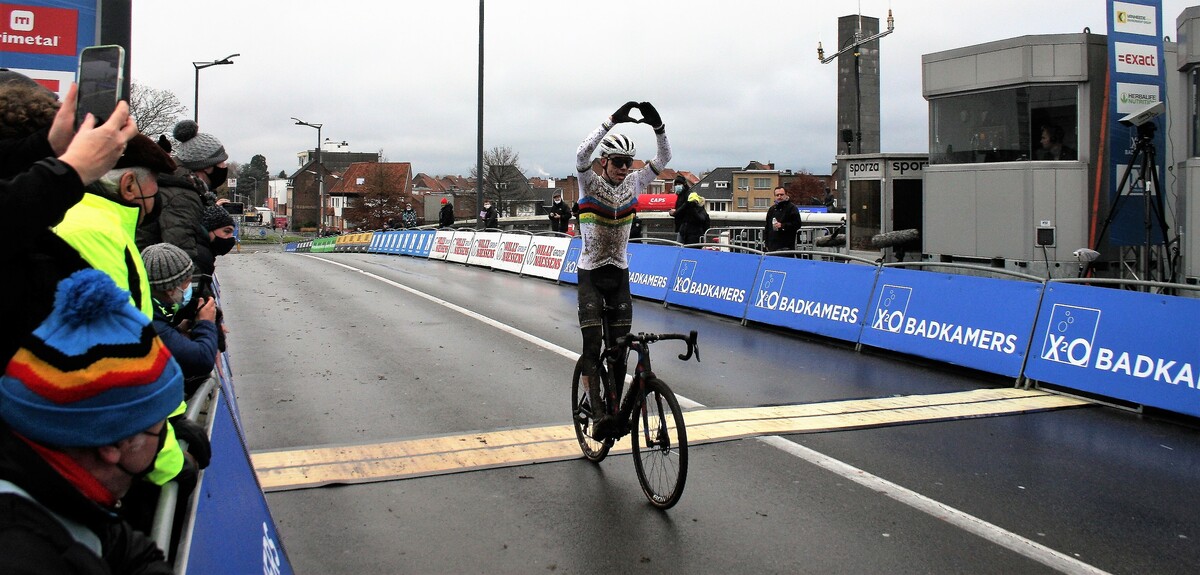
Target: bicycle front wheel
{"type": "Point", "coordinates": [585, 420]}
{"type": "Point", "coordinates": [659, 441]}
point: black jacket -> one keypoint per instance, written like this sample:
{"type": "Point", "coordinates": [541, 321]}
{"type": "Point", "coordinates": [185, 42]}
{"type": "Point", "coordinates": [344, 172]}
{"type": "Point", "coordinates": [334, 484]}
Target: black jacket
{"type": "Point", "coordinates": [693, 221]}
{"type": "Point", "coordinates": [36, 542]}
{"type": "Point", "coordinates": [784, 238]}
{"type": "Point", "coordinates": [491, 217]}
{"type": "Point", "coordinates": [35, 199]}
{"type": "Point", "coordinates": [446, 215]}
{"type": "Point", "coordinates": [560, 223]}
{"type": "Point", "coordinates": [178, 216]}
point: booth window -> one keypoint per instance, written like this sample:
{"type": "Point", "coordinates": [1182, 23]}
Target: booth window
{"type": "Point", "coordinates": [1005, 125]}
{"type": "Point", "coordinates": [1194, 110]}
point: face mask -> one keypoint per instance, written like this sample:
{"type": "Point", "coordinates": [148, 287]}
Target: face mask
{"type": "Point", "coordinates": [185, 297]}
{"type": "Point", "coordinates": [487, 206]}
{"type": "Point", "coordinates": [217, 177]}
{"type": "Point", "coordinates": [221, 246]}
{"type": "Point", "coordinates": [678, 188]}
{"type": "Point", "coordinates": [162, 440]}
{"type": "Point", "coordinates": [557, 201]}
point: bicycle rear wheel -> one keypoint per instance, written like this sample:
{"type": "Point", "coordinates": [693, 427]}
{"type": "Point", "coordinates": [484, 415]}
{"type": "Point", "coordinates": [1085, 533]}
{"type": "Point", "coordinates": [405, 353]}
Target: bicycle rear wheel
{"type": "Point", "coordinates": [659, 440]}
{"type": "Point", "coordinates": [582, 417]}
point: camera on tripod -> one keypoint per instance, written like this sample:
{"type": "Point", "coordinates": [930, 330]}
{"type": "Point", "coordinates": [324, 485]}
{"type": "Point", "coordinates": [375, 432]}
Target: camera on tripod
{"type": "Point", "coordinates": [1142, 119]}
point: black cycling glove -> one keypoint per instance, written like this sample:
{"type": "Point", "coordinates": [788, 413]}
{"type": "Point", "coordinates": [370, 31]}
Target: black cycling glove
{"type": "Point", "coordinates": [650, 115]}
{"type": "Point", "coordinates": [621, 116]}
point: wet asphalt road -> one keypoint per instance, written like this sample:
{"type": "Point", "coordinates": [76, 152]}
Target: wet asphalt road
{"type": "Point", "coordinates": [323, 355]}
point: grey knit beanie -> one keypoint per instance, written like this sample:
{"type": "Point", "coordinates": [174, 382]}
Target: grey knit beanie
{"type": "Point", "coordinates": [196, 151]}
{"type": "Point", "coordinates": [166, 266]}
{"type": "Point", "coordinates": [215, 218]}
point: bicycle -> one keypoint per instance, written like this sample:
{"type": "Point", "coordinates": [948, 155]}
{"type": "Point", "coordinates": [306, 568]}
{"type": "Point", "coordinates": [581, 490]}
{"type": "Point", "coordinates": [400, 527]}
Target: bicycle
{"type": "Point", "coordinates": [648, 412]}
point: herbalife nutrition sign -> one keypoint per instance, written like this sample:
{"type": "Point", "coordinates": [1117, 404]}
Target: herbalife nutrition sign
{"type": "Point", "coordinates": [1138, 80]}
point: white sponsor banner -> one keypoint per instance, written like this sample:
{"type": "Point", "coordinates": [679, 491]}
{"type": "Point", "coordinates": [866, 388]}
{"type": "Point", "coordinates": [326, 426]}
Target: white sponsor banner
{"type": "Point", "coordinates": [483, 248]}
{"type": "Point", "coordinates": [1136, 58]}
{"type": "Point", "coordinates": [545, 256]}
{"type": "Point", "coordinates": [1135, 97]}
{"type": "Point", "coordinates": [460, 246]}
{"type": "Point", "coordinates": [1135, 19]}
{"type": "Point", "coordinates": [510, 255]}
{"type": "Point", "coordinates": [441, 244]}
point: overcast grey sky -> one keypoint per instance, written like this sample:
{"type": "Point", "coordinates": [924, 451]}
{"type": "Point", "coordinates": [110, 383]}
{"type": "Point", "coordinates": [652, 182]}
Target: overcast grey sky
{"type": "Point", "coordinates": [734, 81]}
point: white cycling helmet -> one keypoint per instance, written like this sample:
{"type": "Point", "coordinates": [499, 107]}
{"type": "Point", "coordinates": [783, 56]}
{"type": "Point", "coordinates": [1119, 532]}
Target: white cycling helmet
{"type": "Point", "coordinates": [617, 145]}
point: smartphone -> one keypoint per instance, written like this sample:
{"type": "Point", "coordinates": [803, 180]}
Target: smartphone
{"type": "Point", "coordinates": [101, 81]}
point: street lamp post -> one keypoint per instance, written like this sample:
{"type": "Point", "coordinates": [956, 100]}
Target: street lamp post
{"type": "Point", "coordinates": [320, 175]}
{"type": "Point", "coordinates": [200, 66]}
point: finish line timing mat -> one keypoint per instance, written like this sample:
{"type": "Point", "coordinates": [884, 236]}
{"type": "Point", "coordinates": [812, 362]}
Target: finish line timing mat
{"type": "Point", "coordinates": [303, 468]}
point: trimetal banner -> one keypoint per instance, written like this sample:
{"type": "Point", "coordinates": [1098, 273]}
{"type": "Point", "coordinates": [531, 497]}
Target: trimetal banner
{"type": "Point", "coordinates": [441, 244]}
{"type": "Point", "coordinates": [460, 246]}
{"type": "Point", "coordinates": [1133, 346]}
{"type": "Point", "coordinates": [233, 530]}
{"type": "Point", "coordinates": [713, 281]}
{"type": "Point", "coordinates": [651, 268]}
{"type": "Point", "coordinates": [1137, 80]}
{"type": "Point", "coordinates": [818, 297]}
{"type": "Point", "coordinates": [981, 323]}
{"type": "Point", "coordinates": [570, 269]}
{"type": "Point", "coordinates": [42, 39]}
{"type": "Point", "coordinates": [484, 246]}
{"type": "Point", "coordinates": [510, 256]}
{"type": "Point", "coordinates": [545, 256]}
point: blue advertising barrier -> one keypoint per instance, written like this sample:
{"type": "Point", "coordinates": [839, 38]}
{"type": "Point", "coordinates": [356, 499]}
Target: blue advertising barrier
{"type": "Point", "coordinates": [1096, 340]}
{"type": "Point", "coordinates": [651, 268]}
{"type": "Point", "coordinates": [570, 269]}
{"type": "Point", "coordinates": [824, 298]}
{"type": "Point", "coordinates": [981, 323]}
{"type": "Point", "coordinates": [714, 281]}
{"type": "Point", "coordinates": [420, 242]}
{"type": "Point", "coordinates": [233, 530]}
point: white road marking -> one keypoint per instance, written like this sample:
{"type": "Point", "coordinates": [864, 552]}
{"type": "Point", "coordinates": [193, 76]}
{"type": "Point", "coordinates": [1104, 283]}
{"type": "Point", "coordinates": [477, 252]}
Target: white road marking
{"type": "Point", "coordinates": [964, 521]}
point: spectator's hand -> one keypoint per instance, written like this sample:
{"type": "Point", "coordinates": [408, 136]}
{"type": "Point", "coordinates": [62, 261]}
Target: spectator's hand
{"type": "Point", "coordinates": [222, 201]}
{"type": "Point", "coordinates": [207, 310]}
{"type": "Point", "coordinates": [650, 115]}
{"type": "Point", "coordinates": [196, 438]}
{"type": "Point", "coordinates": [62, 131]}
{"type": "Point", "coordinates": [96, 149]}
{"type": "Point", "coordinates": [621, 116]}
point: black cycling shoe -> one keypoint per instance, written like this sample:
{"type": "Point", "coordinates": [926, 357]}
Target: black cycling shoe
{"type": "Point", "coordinates": [606, 427]}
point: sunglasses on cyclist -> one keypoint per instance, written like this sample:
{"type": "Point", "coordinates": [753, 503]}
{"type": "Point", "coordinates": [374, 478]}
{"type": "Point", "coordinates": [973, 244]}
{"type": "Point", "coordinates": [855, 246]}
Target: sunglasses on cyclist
{"type": "Point", "coordinates": [621, 161]}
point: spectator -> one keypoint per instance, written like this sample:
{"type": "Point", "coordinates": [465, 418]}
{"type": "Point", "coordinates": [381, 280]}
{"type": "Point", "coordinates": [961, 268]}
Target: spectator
{"type": "Point", "coordinates": [446, 216]}
{"type": "Point", "coordinates": [694, 220]}
{"type": "Point", "coordinates": [192, 344]}
{"type": "Point", "coordinates": [560, 215]}
{"type": "Point", "coordinates": [186, 192]}
{"type": "Point", "coordinates": [218, 239]}
{"type": "Point", "coordinates": [682, 189]}
{"type": "Point", "coordinates": [73, 440]}
{"type": "Point", "coordinates": [408, 216]}
{"type": "Point", "coordinates": [783, 221]}
{"type": "Point", "coordinates": [1052, 147]}
{"type": "Point", "coordinates": [101, 226]}
{"type": "Point", "coordinates": [41, 188]}
{"type": "Point", "coordinates": [635, 227]}
{"type": "Point", "coordinates": [490, 216]}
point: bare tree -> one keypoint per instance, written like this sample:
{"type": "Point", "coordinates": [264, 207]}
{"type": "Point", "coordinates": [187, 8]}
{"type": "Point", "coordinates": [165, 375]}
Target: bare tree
{"type": "Point", "coordinates": [381, 198]}
{"type": "Point", "coordinates": [504, 180]}
{"type": "Point", "coordinates": [156, 111]}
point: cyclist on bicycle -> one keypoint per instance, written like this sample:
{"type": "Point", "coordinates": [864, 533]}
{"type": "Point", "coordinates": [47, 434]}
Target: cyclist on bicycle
{"type": "Point", "coordinates": [606, 208]}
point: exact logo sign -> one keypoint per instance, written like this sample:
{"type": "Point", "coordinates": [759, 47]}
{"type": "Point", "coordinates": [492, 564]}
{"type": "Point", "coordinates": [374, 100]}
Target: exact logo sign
{"type": "Point", "coordinates": [38, 30]}
{"type": "Point", "coordinates": [1071, 335]}
{"type": "Point", "coordinates": [1136, 58]}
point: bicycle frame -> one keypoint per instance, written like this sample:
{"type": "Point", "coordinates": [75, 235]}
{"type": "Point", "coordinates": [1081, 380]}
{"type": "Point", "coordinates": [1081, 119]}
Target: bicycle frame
{"type": "Point", "coordinates": [616, 354]}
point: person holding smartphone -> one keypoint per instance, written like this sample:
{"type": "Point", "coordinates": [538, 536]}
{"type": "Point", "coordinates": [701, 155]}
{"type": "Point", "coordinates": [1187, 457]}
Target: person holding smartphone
{"type": "Point", "coordinates": [607, 204]}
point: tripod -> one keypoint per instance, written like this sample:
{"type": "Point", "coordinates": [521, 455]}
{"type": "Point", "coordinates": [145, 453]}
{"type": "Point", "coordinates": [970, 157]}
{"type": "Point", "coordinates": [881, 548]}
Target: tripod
{"type": "Point", "coordinates": [1145, 157]}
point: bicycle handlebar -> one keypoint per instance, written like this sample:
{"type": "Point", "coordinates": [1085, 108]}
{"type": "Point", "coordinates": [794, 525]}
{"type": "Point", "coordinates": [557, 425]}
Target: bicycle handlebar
{"type": "Point", "coordinates": [690, 339]}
